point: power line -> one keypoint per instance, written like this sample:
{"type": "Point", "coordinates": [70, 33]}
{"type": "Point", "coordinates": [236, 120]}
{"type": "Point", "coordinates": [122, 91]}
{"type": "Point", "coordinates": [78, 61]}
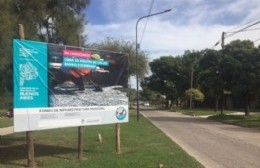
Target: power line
{"type": "Point", "coordinates": [251, 29]}
{"type": "Point", "coordinates": [243, 29]}
{"type": "Point", "coordinates": [255, 20]}
{"type": "Point", "coordinates": [149, 12]}
{"type": "Point", "coordinates": [235, 32]}
{"type": "Point", "coordinates": [256, 40]}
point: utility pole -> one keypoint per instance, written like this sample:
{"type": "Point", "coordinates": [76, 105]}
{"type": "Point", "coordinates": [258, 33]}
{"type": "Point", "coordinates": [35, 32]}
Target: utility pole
{"type": "Point", "coordinates": [222, 92]}
{"type": "Point", "coordinates": [223, 40]}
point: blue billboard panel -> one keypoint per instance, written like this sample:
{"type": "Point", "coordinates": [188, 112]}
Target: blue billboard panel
{"type": "Point", "coordinates": [30, 74]}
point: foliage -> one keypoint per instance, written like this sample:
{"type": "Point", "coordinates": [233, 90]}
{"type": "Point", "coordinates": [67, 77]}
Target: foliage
{"type": "Point", "coordinates": [171, 76]}
{"type": "Point", "coordinates": [128, 47]}
{"type": "Point", "coordinates": [246, 82]}
{"type": "Point", "coordinates": [196, 94]}
{"type": "Point", "coordinates": [148, 95]}
{"type": "Point", "coordinates": [46, 20]}
{"type": "Point", "coordinates": [132, 94]}
{"type": "Point", "coordinates": [49, 20]}
{"type": "Point", "coordinates": [166, 74]}
{"type": "Point", "coordinates": [210, 77]}
{"type": "Point", "coordinates": [234, 70]}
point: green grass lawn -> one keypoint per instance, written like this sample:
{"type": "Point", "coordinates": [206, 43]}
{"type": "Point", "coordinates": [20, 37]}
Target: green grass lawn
{"type": "Point", "coordinates": [142, 146]}
{"type": "Point", "coordinates": [197, 112]}
{"type": "Point", "coordinates": [2, 113]}
{"type": "Point", "coordinates": [4, 121]}
{"type": "Point", "coordinates": [241, 120]}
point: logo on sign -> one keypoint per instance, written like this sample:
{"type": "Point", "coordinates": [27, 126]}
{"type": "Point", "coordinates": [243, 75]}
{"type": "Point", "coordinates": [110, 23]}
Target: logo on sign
{"type": "Point", "coordinates": [121, 113]}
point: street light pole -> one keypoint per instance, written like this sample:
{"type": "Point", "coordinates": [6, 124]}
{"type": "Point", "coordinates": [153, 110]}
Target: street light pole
{"type": "Point", "coordinates": [137, 46]}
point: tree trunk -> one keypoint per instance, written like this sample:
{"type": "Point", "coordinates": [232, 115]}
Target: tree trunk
{"type": "Point", "coordinates": [222, 103]}
{"type": "Point", "coordinates": [216, 102]}
{"type": "Point", "coordinates": [171, 104]}
{"type": "Point", "coordinates": [247, 113]}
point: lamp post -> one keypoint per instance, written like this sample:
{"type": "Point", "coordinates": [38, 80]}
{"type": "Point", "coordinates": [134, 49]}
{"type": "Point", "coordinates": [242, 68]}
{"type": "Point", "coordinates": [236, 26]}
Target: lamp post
{"type": "Point", "coordinates": [137, 46]}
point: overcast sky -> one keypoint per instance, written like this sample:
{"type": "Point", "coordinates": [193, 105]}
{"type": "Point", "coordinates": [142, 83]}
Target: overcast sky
{"type": "Point", "coordinates": [191, 25]}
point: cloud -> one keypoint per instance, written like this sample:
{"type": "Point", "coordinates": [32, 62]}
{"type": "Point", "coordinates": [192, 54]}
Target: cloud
{"type": "Point", "coordinates": [192, 25]}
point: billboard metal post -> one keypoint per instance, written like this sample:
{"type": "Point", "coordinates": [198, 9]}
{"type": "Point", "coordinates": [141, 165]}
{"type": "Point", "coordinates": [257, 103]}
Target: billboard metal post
{"type": "Point", "coordinates": [29, 137]}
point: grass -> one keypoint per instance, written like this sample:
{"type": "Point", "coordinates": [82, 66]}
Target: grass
{"type": "Point", "coordinates": [241, 120]}
{"type": "Point", "coordinates": [4, 121]}
{"type": "Point", "coordinates": [2, 113]}
{"type": "Point", "coordinates": [142, 145]}
{"type": "Point", "coordinates": [197, 112]}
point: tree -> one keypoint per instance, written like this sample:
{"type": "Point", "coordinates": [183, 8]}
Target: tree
{"type": "Point", "coordinates": [165, 77]}
{"type": "Point", "coordinates": [147, 94]}
{"type": "Point", "coordinates": [128, 47]}
{"type": "Point", "coordinates": [46, 20]}
{"type": "Point", "coordinates": [190, 71]}
{"type": "Point", "coordinates": [246, 82]}
{"type": "Point", "coordinates": [50, 20]}
{"type": "Point", "coordinates": [132, 94]}
{"type": "Point", "coordinates": [7, 31]}
{"type": "Point", "coordinates": [196, 94]}
{"type": "Point", "coordinates": [210, 77]}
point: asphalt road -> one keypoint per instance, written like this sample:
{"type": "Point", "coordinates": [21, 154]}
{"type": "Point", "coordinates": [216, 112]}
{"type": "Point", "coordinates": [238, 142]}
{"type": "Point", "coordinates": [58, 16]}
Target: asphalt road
{"type": "Point", "coordinates": [213, 144]}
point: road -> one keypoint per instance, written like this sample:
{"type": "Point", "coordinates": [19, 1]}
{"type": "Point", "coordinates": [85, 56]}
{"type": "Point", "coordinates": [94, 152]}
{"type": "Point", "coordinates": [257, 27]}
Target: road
{"type": "Point", "coordinates": [213, 144]}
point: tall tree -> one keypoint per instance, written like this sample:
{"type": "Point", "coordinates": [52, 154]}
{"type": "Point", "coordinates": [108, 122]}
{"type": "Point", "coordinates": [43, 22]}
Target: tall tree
{"type": "Point", "coordinates": [210, 76]}
{"type": "Point", "coordinates": [189, 76]}
{"type": "Point", "coordinates": [50, 20]}
{"type": "Point", "coordinates": [46, 20]}
{"type": "Point", "coordinates": [166, 75]}
{"type": "Point", "coordinates": [7, 32]}
{"type": "Point", "coordinates": [246, 82]}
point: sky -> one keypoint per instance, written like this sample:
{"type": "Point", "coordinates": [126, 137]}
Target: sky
{"type": "Point", "coordinates": [191, 25]}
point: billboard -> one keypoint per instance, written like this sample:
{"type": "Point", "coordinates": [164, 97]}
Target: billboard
{"type": "Point", "coordinates": [64, 86]}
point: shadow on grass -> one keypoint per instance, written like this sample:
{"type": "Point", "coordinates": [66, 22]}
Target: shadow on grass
{"type": "Point", "coordinates": [10, 153]}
